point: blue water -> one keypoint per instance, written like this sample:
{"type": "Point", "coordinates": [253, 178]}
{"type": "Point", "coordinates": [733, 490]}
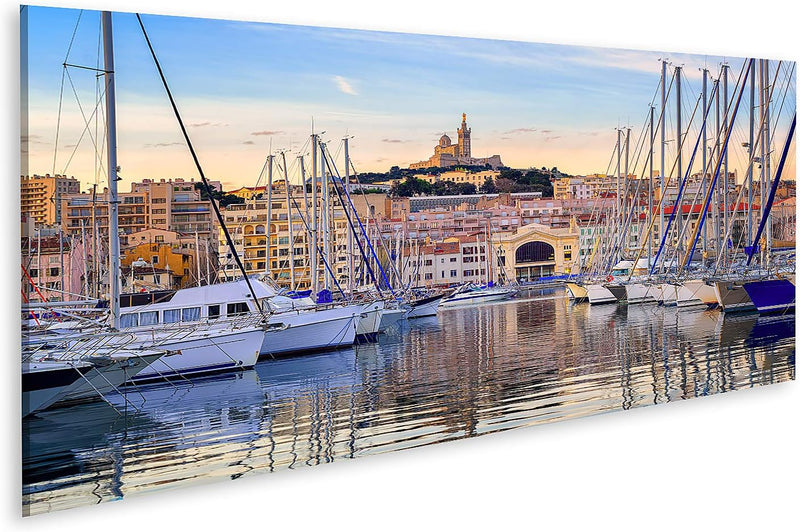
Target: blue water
{"type": "Point", "coordinates": [463, 373]}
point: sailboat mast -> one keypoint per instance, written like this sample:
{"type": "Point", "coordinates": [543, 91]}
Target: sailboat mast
{"type": "Point", "coordinates": [752, 139]}
{"type": "Point", "coordinates": [704, 180]}
{"type": "Point", "coordinates": [111, 148]}
{"type": "Point", "coordinates": [313, 244]}
{"type": "Point", "coordinates": [325, 220]}
{"type": "Point", "coordinates": [663, 146]}
{"type": "Point", "coordinates": [679, 153]}
{"type": "Point", "coordinates": [267, 268]}
{"type": "Point", "coordinates": [289, 217]}
{"type": "Point", "coordinates": [725, 125]}
{"type": "Point", "coordinates": [197, 257]}
{"type": "Point", "coordinates": [625, 181]}
{"type": "Point", "coordinates": [650, 192]}
{"type": "Point", "coordinates": [767, 144]}
{"type": "Point", "coordinates": [350, 276]}
{"type": "Point", "coordinates": [301, 161]}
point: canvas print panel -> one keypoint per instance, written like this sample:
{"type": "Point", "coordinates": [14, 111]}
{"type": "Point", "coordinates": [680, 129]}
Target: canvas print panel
{"type": "Point", "coordinates": [255, 247]}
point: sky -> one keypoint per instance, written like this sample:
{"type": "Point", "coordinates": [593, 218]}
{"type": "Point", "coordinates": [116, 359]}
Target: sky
{"type": "Point", "coordinates": [249, 89]}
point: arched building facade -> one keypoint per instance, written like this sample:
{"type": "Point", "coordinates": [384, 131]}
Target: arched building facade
{"type": "Point", "coordinates": [535, 251]}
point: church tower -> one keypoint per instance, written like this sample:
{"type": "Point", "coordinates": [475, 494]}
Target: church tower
{"type": "Point", "coordinates": [464, 142]}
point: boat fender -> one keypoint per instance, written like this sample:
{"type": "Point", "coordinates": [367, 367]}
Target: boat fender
{"type": "Point", "coordinates": [610, 278]}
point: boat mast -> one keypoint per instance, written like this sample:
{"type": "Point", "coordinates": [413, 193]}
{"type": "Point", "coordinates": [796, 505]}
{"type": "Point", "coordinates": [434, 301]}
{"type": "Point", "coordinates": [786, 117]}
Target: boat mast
{"type": "Point", "coordinates": [767, 147]}
{"type": "Point", "coordinates": [679, 149]}
{"type": "Point", "coordinates": [725, 125]}
{"type": "Point", "coordinates": [704, 179]}
{"type": "Point", "coordinates": [314, 239]}
{"type": "Point", "coordinates": [663, 145]}
{"type": "Point", "coordinates": [267, 268]}
{"type": "Point", "coordinates": [197, 257]}
{"type": "Point", "coordinates": [289, 216]}
{"type": "Point", "coordinates": [625, 182]}
{"type": "Point", "coordinates": [350, 276]}
{"type": "Point", "coordinates": [305, 203]}
{"type": "Point", "coordinates": [111, 147]}
{"type": "Point", "coordinates": [325, 221]}
{"type": "Point", "coordinates": [749, 182]}
{"type": "Point", "coordinates": [649, 193]}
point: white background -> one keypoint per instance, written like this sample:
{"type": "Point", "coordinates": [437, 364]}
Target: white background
{"type": "Point", "coordinates": [727, 461]}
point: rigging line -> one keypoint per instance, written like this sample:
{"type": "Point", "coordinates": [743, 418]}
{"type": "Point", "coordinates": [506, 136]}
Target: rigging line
{"type": "Point", "coordinates": [754, 150]}
{"type": "Point", "coordinates": [86, 126]}
{"type": "Point", "coordinates": [58, 120]}
{"type": "Point", "coordinates": [74, 32]}
{"type": "Point", "coordinates": [740, 85]}
{"type": "Point", "coordinates": [200, 169]}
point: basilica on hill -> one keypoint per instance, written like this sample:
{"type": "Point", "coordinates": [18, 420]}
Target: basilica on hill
{"type": "Point", "coordinates": [447, 154]}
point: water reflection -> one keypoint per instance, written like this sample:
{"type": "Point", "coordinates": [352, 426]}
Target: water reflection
{"type": "Point", "coordinates": [466, 372]}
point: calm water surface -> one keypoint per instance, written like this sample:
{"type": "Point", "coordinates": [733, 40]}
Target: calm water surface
{"type": "Point", "coordinates": [463, 373]}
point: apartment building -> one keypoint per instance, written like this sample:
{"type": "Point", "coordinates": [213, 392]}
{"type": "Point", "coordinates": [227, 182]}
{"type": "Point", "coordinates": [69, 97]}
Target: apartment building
{"type": "Point", "coordinates": [287, 255]}
{"type": "Point", "coordinates": [40, 196]}
{"type": "Point", "coordinates": [172, 205]}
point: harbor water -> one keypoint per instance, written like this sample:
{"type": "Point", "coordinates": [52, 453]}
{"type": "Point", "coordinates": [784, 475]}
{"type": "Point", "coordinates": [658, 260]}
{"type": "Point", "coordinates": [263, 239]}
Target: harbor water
{"type": "Point", "coordinates": [466, 372]}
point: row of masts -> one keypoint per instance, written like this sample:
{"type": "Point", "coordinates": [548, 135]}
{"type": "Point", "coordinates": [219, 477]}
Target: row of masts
{"type": "Point", "coordinates": [673, 235]}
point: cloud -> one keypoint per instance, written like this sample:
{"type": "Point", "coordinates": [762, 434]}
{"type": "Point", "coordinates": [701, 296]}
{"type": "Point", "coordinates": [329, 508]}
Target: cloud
{"type": "Point", "coordinates": [164, 144]}
{"type": "Point", "coordinates": [520, 130]}
{"type": "Point", "coordinates": [344, 86]}
{"type": "Point", "coordinates": [548, 139]}
{"type": "Point", "coordinates": [31, 139]}
{"type": "Point", "coordinates": [546, 131]}
{"type": "Point", "coordinates": [266, 133]}
{"type": "Point", "coordinates": [204, 124]}
{"type": "Point", "coordinates": [395, 141]}
{"type": "Point", "coordinates": [248, 142]}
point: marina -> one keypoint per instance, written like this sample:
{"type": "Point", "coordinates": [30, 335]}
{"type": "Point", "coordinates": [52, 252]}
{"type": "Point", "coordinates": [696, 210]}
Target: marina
{"type": "Point", "coordinates": [464, 373]}
{"type": "Point", "coordinates": [184, 332]}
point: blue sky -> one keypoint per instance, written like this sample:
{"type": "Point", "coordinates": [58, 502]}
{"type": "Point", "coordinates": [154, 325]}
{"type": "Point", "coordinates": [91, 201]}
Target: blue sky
{"type": "Point", "coordinates": [243, 87]}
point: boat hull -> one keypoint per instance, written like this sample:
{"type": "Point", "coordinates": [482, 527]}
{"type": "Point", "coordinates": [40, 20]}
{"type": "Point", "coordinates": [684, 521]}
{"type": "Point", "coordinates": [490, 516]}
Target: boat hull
{"type": "Point", "coordinates": [640, 293]}
{"type": "Point", "coordinates": [469, 298]}
{"type": "Point", "coordinates": [208, 351]}
{"type": "Point", "coordinates": [771, 295]}
{"type": "Point", "coordinates": [599, 294]}
{"type": "Point", "coordinates": [732, 297]}
{"type": "Point", "coordinates": [424, 307]}
{"type": "Point", "coordinates": [695, 293]}
{"type": "Point", "coordinates": [330, 329]}
{"type": "Point", "coordinates": [577, 292]}
{"type": "Point", "coordinates": [44, 383]}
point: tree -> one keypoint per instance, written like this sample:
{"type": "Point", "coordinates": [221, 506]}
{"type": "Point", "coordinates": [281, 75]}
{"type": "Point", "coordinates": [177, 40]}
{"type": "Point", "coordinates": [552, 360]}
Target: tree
{"type": "Point", "coordinates": [222, 199]}
{"type": "Point", "coordinates": [488, 186]}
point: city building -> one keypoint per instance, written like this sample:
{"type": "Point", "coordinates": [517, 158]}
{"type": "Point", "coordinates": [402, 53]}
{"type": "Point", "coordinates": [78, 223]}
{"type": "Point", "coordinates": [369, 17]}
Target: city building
{"type": "Point", "coordinates": [289, 250]}
{"type": "Point", "coordinates": [446, 154]}
{"type": "Point", "coordinates": [535, 251]}
{"type": "Point", "coordinates": [53, 270]}
{"type": "Point", "coordinates": [172, 205]}
{"type": "Point", "coordinates": [40, 196]}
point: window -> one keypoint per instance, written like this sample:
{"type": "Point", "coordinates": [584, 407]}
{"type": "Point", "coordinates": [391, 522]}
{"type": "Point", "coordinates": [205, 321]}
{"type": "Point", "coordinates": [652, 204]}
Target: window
{"type": "Point", "coordinates": [53, 272]}
{"type": "Point", "coordinates": [237, 308]}
{"type": "Point", "coordinates": [452, 259]}
{"type": "Point", "coordinates": [148, 318]}
{"type": "Point", "coordinates": [172, 316]}
{"type": "Point", "coordinates": [155, 259]}
{"type": "Point", "coordinates": [190, 314]}
{"type": "Point", "coordinates": [453, 273]}
{"type": "Point", "coordinates": [34, 273]}
{"type": "Point", "coordinates": [159, 239]}
{"type": "Point", "coordinates": [129, 320]}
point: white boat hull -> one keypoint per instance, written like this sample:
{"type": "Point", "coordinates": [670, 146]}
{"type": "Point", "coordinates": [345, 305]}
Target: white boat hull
{"type": "Point", "coordinates": [640, 293]}
{"type": "Point", "coordinates": [462, 300]}
{"type": "Point", "coordinates": [695, 293]}
{"type": "Point", "coordinates": [599, 294]}
{"type": "Point", "coordinates": [389, 317]}
{"type": "Point", "coordinates": [206, 351]}
{"type": "Point", "coordinates": [330, 329]}
{"type": "Point", "coordinates": [426, 309]}
{"type": "Point", "coordinates": [106, 379]}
